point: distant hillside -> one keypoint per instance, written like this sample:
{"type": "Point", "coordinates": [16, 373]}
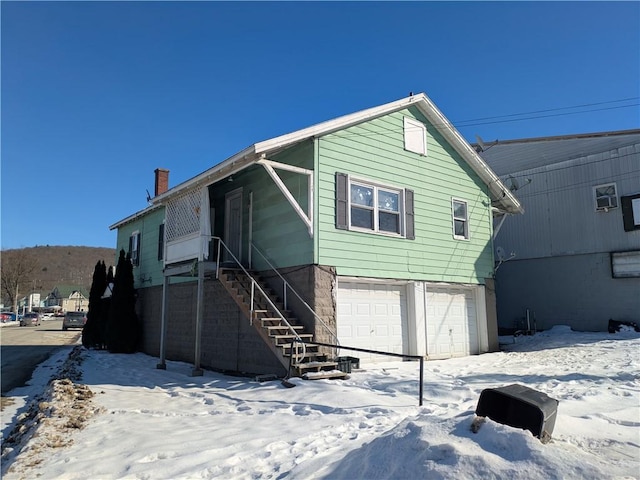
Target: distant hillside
{"type": "Point", "coordinates": [66, 265]}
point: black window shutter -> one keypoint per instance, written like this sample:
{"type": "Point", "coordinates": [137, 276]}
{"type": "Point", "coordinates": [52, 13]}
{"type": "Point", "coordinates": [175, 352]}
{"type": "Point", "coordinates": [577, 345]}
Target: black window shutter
{"type": "Point", "coordinates": [341, 201]}
{"type": "Point", "coordinates": [161, 241]}
{"type": "Point", "coordinates": [130, 252]}
{"type": "Point", "coordinates": [409, 216]}
{"type": "Point", "coordinates": [627, 212]}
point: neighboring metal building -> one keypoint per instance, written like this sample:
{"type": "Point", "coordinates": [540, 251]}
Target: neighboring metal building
{"type": "Point", "coordinates": [573, 258]}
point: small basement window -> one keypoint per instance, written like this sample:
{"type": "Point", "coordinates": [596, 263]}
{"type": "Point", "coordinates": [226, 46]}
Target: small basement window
{"type": "Point", "coordinates": [606, 197]}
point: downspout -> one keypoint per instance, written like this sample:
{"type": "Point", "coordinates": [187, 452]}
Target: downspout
{"type": "Point", "coordinates": [250, 228]}
{"type": "Point", "coordinates": [163, 323]}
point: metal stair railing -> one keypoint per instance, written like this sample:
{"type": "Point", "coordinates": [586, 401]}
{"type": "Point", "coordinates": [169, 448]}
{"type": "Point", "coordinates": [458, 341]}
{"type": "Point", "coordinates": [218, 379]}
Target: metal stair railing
{"type": "Point", "coordinates": [287, 285]}
{"type": "Point", "coordinates": [254, 285]}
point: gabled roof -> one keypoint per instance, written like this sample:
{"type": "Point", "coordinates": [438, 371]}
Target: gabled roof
{"type": "Point", "coordinates": [65, 291]}
{"type": "Point", "coordinates": [511, 156]}
{"type": "Point", "coordinates": [501, 197]}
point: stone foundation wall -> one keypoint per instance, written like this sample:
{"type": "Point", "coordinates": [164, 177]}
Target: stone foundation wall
{"type": "Point", "coordinates": [228, 342]}
{"type": "Point", "coordinates": [316, 285]}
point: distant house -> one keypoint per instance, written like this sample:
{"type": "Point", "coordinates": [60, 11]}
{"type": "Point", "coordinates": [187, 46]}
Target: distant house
{"type": "Point", "coordinates": [373, 230]}
{"type": "Point", "coordinates": [70, 298]}
{"type": "Point", "coordinates": [574, 257]}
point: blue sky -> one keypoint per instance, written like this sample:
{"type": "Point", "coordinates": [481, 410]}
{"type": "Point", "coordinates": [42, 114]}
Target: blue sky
{"type": "Point", "coordinates": [97, 95]}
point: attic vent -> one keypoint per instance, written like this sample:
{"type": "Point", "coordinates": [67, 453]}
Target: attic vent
{"type": "Point", "coordinates": [183, 216]}
{"type": "Point", "coordinates": [415, 136]}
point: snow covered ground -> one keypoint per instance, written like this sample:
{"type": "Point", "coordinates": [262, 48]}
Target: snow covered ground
{"type": "Point", "coordinates": [136, 422]}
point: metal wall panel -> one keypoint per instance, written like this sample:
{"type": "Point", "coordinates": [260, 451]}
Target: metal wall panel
{"type": "Point", "coordinates": [560, 215]}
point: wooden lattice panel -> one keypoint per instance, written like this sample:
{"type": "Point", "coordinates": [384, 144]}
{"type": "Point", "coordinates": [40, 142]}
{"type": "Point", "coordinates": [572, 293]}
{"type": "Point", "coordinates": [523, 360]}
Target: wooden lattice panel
{"type": "Point", "coordinates": [183, 216]}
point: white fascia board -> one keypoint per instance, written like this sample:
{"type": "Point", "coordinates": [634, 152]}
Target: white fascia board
{"type": "Point", "coordinates": [133, 217]}
{"type": "Point", "coordinates": [500, 192]}
{"type": "Point", "coordinates": [224, 169]}
{"type": "Point", "coordinates": [336, 124]}
{"type": "Point", "coordinates": [250, 155]}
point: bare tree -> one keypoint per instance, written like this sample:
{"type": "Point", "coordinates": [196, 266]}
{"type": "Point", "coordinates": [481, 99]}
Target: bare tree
{"type": "Point", "coordinates": [16, 270]}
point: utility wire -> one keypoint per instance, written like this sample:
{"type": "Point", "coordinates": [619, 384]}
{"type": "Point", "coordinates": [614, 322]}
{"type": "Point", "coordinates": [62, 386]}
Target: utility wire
{"type": "Point", "coordinates": [550, 110]}
{"type": "Point", "coordinates": [550, 115]}
{"type": "Point", "coordinates": [581, 164]}
{"type": "Point", "coordinates": [389, 131]}
{"type": "Point", "coordinates": [574, 186]}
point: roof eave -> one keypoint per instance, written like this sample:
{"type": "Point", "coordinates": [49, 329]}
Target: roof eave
{"type": "Point", "coordinates": [499, 191]}
{"type": "Point", "coordinates": [226, 168]}
{"type": "Point", "coordinates": [250, 155]}
{"type": "Point", "coordinates": [336, 124]}
{"type": "Point", "coordinates": [133, 217]}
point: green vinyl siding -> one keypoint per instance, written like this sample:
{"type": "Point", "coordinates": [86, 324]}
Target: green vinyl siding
{"type": "Point", "coordinates": [149, 270]}
{"type": "Point", "coordinates": [374, 151]}
{"type": "Point", "coordinates": [277, 230]}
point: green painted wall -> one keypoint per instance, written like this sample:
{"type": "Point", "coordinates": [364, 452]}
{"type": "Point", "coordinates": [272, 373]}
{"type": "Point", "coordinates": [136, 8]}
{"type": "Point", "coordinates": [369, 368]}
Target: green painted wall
{"type": "Point", "coordinates": [374, 151]}
{"type": "Point", "coordinates": [277, 229]}
{"type": "Point", "coordinates": [150, 268]}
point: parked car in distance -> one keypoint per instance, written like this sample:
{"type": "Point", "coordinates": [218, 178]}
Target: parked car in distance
{"type": "Point", "coordinates": [7, 317]}
{"type": "Point", "coordinates": [74, 320]}
{"type": "Point", "coordinates": [31, 318]}
{"type": "Point", "coordinates": [46, 316]}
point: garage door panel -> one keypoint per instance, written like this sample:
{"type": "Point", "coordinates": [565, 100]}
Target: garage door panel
{"type": "Point", "coordinates": [363, 309]}
{"type": "Point", "coordinates": [362, 331]}
{"type": "Point", "coordinates": [380, 310]}
{"type": "Point", "coordinates": [377, 318]}
{"type": "Point", "coordinates": [381, 331]}
{"type": "Point", "coordinates": [451, 322]}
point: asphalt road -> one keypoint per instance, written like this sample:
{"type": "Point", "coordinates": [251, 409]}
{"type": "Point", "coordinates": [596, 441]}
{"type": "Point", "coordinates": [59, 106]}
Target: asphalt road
{"type": "Point", "coordinates": [23, 348]}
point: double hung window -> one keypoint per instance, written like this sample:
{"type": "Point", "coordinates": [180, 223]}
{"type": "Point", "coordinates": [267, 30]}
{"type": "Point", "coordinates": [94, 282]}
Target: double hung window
{"type": "Point", "coordinates": [368, 206]}
{"type": "Point", "coordinates": [134, 248]}
{"type": "Point", "coordinates": [375, 208]}
{"type": "Point", "coordinates": [460, 219]}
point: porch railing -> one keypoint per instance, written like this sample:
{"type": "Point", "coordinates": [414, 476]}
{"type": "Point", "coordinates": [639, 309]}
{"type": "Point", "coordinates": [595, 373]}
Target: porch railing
{"type": "Point", "coordinates": [256, 286]}
{"type": "Point", "coordinates": [286, 286]}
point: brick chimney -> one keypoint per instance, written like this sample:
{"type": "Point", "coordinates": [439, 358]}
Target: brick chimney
{"type": "Point", "coordinates": [162, 180]}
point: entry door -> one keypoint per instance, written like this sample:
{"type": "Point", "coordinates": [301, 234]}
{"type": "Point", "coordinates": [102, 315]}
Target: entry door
{"type": "Point", "coordinates": [233, 224]}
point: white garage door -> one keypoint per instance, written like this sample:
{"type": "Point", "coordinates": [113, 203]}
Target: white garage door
{"type": "Point", "coordinates": [452, 327]}
{"type": "Point", "coordinates": [372, 316]}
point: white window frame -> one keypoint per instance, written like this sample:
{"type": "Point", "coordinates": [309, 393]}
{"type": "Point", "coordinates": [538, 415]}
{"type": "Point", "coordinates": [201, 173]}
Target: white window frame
{"type": "Point", "coordinates": [415, 136]}
{"type": "Point", "coordinates": [376, 187]}
{"type": "Point", "coordinates": [134, 243]}
{"type": "Point", "coordinates": [464, 219]}
{"type": "Point", "coordinates": [612, 202]}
